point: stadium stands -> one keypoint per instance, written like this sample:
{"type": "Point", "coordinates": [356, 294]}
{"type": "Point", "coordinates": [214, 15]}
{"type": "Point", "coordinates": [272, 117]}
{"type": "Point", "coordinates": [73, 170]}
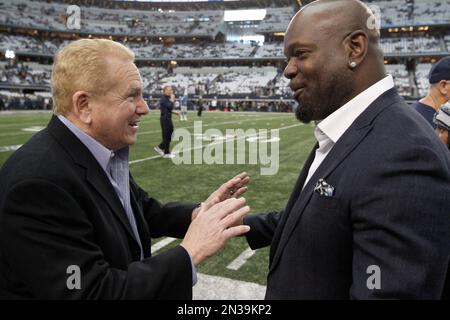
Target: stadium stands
{"type": "Point", "coordinates": [391, 47]}
{"type": "Point", "coordinates": [207, 64]}
{"type": "Point", "coordinates": [276, 19]}
{"type": "Point", "coordinates": [52, 16]}
{"type": "Point", "coordinates": [413, 45]}
{"type": "Point", "coordinates": [447, 41]}
{"type": "Point", "coordinates": [25, 74]}
{"type": "Point", "coordinates": [422, 72]}
{"type": "Point", "coordinates": [401, 78]}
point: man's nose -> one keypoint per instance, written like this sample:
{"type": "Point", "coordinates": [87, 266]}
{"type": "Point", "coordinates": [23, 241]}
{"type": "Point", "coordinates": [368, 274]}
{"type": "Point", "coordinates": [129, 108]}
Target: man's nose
{"type": "Point", "coordinates": [290, 70]}
{"type": "Point", "coordinates": [142, 107]}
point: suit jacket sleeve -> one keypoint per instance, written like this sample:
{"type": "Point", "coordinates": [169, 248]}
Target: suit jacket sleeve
{"type": "Point", "coordinates": [262, 229]}
{"type": "Point", "coordinates": [45, 229]}
{"type": "Point", "coordinates": [401, 225]}
{"type": "Point", "coordinates": [171, 219]}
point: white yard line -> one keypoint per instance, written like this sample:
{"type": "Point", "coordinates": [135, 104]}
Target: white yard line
{"type": "Point", "coordinates": [10, 148]}
{"type": "Point", "coordinates": [209, 144]}
{"type": "Point", "coordinates": [146, 121]}
{"type": "Point", "coordinates": [241, 259]}
{"type": "Point", "coordinates": [161, 244]}
{"type": "Point", "coordinates": [210, 124]}
{"type": "Point", "coordinates": [144, 159]}
{"type": "Point", "coordinates": [219, 288]}
{"type": "Point", "coordinates": [5, 134]}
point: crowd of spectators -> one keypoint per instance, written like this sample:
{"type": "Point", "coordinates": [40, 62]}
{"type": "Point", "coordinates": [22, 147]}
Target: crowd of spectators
{"type": "Point", "coordinates": [223, 81]}
{"type": "Point", "coordinates": [227, 81]}
{"type": "Point", "coordinates": [25, 73]}
{"type": "Point", "coordinates": [228, 50]}
{"type": "Point", "coordinates": [54, 16]}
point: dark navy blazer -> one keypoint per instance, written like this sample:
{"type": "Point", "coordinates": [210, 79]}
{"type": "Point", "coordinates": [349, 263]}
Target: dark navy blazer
{"type": "Point", "coordinates": [390, 210]}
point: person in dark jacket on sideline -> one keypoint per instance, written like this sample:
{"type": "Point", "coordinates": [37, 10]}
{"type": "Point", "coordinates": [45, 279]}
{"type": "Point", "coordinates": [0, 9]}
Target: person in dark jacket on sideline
{"type": "Point", "coordinates": [166, 104]}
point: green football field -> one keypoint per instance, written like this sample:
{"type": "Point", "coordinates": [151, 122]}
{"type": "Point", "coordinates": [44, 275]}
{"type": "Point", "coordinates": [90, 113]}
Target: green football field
{"type": "Point", "coordinates": [166, 181]}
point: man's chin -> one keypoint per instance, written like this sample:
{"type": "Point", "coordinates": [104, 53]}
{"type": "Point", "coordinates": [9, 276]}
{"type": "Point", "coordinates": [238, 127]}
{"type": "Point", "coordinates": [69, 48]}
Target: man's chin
{"type": "Point", "coordinates": [303, 116]}
{"type": "Point", "coordinates": [130, 141]}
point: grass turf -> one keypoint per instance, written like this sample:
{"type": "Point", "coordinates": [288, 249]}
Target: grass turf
{"type": "Point", "coordinates": [169, 182]}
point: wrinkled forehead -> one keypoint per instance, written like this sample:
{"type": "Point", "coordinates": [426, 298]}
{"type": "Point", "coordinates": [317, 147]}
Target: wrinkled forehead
{"type": "Point", "coordinates": [123, 74]}
{"type": "Point", "coordinates": [126, 69]}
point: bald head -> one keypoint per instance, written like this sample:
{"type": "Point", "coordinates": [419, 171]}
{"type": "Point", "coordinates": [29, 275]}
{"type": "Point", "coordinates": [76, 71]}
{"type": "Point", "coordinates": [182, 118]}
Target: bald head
{"type": "Point", "coordinates": [340, 17]}
{"type": "Point", "coordinates": [333, 54]}
{"type": "Point", "coordinates": [334, 22]}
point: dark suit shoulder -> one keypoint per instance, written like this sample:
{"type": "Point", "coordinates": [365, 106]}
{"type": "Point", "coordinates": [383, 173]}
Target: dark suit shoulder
{"type": "Point", "coordinates": [41, 157]}
{"type": "Point", "coordinates": [398, 129]}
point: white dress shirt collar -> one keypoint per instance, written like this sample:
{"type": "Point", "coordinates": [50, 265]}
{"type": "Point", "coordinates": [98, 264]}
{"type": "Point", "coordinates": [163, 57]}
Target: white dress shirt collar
{"type": "Point", "coordinates": [339, 121]}
{"type": "Point", "coordinates": [329, 130]}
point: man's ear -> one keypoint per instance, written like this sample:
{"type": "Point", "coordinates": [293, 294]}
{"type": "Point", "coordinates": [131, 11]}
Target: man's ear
{"type": "Point", "coordinates": [356, 47]}
{"type": "Point", "coordinates": [444, 87]}
{"type": "Point", "coordinates": [82, 106]}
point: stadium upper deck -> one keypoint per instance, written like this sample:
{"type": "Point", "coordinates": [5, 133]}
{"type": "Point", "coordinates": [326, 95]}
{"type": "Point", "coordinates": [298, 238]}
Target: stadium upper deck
{"type": "Point", "coordinates": [40, 15]}
{"type": "Point", "coordinates": [186, 46]}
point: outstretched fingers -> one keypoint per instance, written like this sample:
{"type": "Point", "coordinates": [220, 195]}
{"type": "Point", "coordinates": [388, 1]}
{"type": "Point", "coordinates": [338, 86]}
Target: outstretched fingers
{"type": "Point", "coordinates": [239, 181]}
{"type": "Point", "coordinates": [235, 218]}
{"type": "Point", "coordinates": [235, 231]}
{"type": "Point", "coordinates": [227, 207]}
{"type": "Point", "coordinates": [241, 175]}
{"type": "Point", "coordinates": [239, 192]}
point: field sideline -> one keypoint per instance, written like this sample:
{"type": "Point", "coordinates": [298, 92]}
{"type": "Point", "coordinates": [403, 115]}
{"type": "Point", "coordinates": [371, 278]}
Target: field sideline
{"type": "Point", "coordinates": [169, 182]}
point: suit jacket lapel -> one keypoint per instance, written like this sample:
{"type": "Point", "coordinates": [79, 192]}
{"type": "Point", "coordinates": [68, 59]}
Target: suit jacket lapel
{"type": "Point", "coordinates": [94, 172]}
{"type": "Point", "coordinates": [292, 200]}
{"type": "Point", "coordinates": [98, 179]}
{"type": "Point", "coordinates": [344, 146]}
{"type": "Point", "coordinates": [141, 224]}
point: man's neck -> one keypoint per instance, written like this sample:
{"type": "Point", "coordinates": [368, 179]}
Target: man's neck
{"type": "Point", "coordinates": [85, 129]}
{"type": "Point", "coordinates": [364, 82]}
{"type": "Point", "coordinates": [432, 100]}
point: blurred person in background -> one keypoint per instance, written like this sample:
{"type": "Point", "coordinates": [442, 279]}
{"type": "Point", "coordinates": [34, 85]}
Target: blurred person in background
{"type": "Point", "coordinates": [184, 105]}
{"type": "Point", "coordinates": [438, 92]}
{"type": "Point", "coordinates": [166, 105]}
{"type": "Point", "coordinates": [442, 123]}
{"type": "Point", "coordinates": [200, 106]}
